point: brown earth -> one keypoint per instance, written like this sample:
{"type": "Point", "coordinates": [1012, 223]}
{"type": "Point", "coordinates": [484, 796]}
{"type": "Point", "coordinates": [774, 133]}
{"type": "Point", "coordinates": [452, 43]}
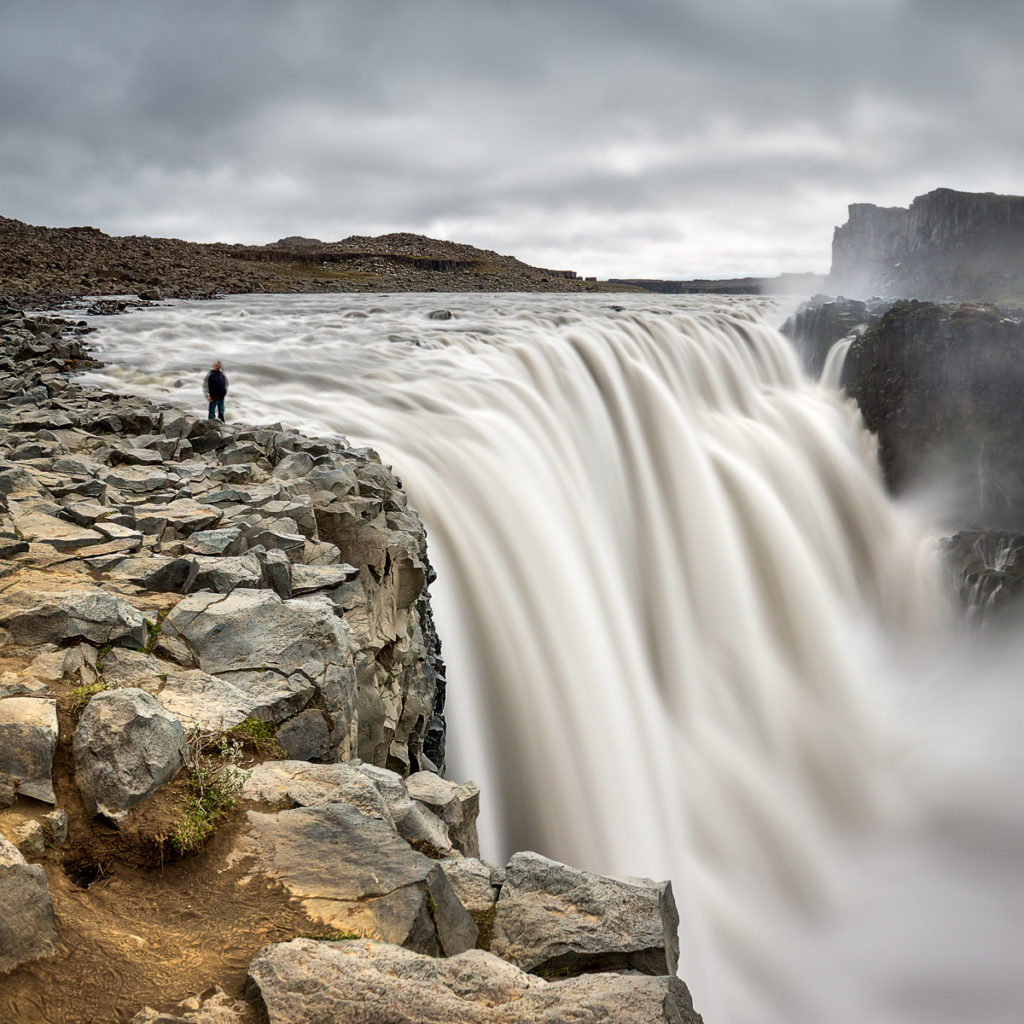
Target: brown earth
{"type": "Point", "coordinates": [39, 265]}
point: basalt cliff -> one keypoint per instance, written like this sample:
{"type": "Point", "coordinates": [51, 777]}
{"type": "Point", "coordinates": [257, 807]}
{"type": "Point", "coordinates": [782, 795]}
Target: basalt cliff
{"type": "Point", "coordinates": [947, 246]}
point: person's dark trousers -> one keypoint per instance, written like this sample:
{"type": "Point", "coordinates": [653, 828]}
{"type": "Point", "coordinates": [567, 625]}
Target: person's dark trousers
{"type": "Point", "coordinates": [216, 406]}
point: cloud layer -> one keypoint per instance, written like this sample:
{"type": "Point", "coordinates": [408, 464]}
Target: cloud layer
{"type": "Point", "coordinates": [656, 138]}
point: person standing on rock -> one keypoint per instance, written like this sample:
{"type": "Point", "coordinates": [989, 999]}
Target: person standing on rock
{"type": "Point", "coordinates": [215, 387]}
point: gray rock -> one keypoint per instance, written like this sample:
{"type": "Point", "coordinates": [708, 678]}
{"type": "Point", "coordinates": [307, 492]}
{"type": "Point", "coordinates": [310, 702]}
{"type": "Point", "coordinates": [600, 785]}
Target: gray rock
{"type": "Point", "coordinates": [208, 703]}
{"type": "Point", "coordinates": [286, 784]}
{"type": "Point", "coordinates": [366, 982]}
{"type": "Point", "coordinates": [41, 616]}
{"type": "Point", "coordinates": [294, 649]}
{"type": "Point", "coordinates": [27, 834]}
{"type": "Point", "coordinates": [305, 737]}
{"type": "Point", "coordinates": [8, 790]}
{"type": "Point", "coordinates": [28, 739]}
{"type": "Point", "coordinates": [353, 873]}
{"type": "Point", "coordinates": [306, 579]}
{"type": "Point", "coordinates": [457, 805]}
{"type": "Point", "coordinates": [554, 917]}
{"type": "Point", "coordinates": [293, 465]}
{"type": "Point", "coordinates": [214, 542]}
{"type": "Point", "coordinates": [126, 747]}
{"type": "Point", "coordinates": [223, 575]}
{"type": "Point", "coordinates": [183, 516]}
{"type": "Point", "coordinates": [471, 879]}
{"type": "Point", "coordinates": [152, 572]}
{"type": "Point", "coordinates": [415, 823]}
{"type": "Point", "coordinates": [27, 926]}
{"type": "Point", "coordinates": [39, 528]}
{"type": "Point", "coordinates": [277, 572]}
{"type": "Point", "coordinates": [142, 480]}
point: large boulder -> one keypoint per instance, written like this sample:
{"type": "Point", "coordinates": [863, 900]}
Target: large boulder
{"type": "Point", "coordinates": [28, 738]}
{"type": "Point", "coordinates": [355, 874]}
{"type": "Point", "coordinates": [27, 927]}
{"type": "Point", "coordinates": [552, 917]}
{"type": "Point", "coordinates": [297, 649]}
{"type": "Point", "coordinates": [126, 747]}
{"type": "Point", "coordinates": [367, 982]}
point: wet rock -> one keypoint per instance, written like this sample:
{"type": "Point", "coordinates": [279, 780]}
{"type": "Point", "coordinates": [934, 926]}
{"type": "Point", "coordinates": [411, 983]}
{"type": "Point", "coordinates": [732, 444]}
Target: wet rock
{"type": "Point", "coordinates": [126, 747]}
{"type": "Point", "coordinates": [456, 805]}
{"type": "Point", "coordinates": [34, 616]}
{"type": "Point", "coordinates": [553, 917]}
{"type": "Point", "coordinates": [353, 873]}
{"type": "Point", "coordinates": [27, 926]}
{"type": "Point", "coordinates": [366, 982]}
{"type": "Point", "coordinates": [28, 739]}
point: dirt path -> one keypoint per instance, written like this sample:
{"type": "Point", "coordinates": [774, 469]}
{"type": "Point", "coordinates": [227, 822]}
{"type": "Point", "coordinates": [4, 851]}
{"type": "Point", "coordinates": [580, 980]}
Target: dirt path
{"type": "Point", "coordinates": [140, 937]}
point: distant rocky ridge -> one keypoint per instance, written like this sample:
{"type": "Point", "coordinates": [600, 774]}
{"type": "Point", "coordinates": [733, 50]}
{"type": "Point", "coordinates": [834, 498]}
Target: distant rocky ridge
{"type": "Point", "coordinates": [192, 611]}
{"type": "Point", "coordinates": [782, 284]}
{"type": "Point", "coordinates": [947, 246]}
{"type": "Point", "coordinates": [39, 265]}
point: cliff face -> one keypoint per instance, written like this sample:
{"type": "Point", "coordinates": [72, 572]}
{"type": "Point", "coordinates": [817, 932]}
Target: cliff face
{"type": "Point", "coordinates": [948, 245]}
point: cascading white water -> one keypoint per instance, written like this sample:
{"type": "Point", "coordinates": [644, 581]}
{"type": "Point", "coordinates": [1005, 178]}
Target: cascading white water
{"type": "Point", "coordinates": [687, 632]}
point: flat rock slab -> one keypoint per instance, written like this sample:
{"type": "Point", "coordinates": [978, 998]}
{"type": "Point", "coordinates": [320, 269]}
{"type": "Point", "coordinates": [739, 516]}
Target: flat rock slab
{"type": "Point", "coordinates": [287, 784]}
{"type": "Point", "coordinates": [553, 917]}
{"type": "Point", "coordinates": [39, 528]}
{"type": "Point", "coordinates": [366, 982]}
{"type": "Point", "coordinates": [309, 578]}
{"type": "Point", "coordinates": [28, 739]}
{"type": "Point", "coordinates": [27, 927]}
{"type": "Point", "coordinates": [126, 747]}
{"type": "Point", "coordinates": [208, 703]}
{"type": "Point", "coordinates": [355, 874]}
{"type": "Point", "coordinates": [34, 616]}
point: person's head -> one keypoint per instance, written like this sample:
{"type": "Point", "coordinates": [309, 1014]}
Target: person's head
{"type": "Point", "coordinates": [216, 364]}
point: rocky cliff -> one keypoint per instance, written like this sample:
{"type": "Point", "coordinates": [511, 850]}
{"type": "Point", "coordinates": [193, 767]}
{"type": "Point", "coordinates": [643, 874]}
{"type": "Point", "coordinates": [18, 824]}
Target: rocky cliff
{"type": "Point", "coordinates": [948, 246]}
{"type": "Point", "coordinates": [221, 726]}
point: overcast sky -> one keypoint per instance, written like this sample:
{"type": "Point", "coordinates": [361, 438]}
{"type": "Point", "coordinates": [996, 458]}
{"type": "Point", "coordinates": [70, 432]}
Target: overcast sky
{"type": "Point", "coordinates": [655, 138]}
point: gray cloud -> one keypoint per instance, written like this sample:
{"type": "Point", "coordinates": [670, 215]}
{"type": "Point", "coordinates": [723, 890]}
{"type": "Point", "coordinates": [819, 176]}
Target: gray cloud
{"type": "Point", "coordinates": [660, 137]}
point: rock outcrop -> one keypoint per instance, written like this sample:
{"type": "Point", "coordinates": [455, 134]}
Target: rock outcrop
{"type": "Point", "coordinates": [948, 246]}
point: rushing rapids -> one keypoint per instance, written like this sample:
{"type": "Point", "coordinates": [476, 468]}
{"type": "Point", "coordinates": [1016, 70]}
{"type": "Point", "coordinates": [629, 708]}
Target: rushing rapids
{"type": "Point", "coordinates": [688, 634]}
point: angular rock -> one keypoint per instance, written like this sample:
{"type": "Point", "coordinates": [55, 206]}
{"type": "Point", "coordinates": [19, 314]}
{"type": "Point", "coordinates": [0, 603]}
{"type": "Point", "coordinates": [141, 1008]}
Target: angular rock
{"type": "Point", "coordinates": [472, 881]}
{"type": "Point", "coordinates": [286, 784]}
{"type": "Point", "coordinates": [457, 805]}
{"type": "Point", "coordinates": [305, 737]}
{"type": "Point", "coordinates": [40, 616]}
{"type": "Point", "coordinates": [27, 926]}
{"type": "Point", "coordinates": [208, 703]}
{"type": "Point", "coordinates": [365, 982]}
{"type": "Point", "coordinates": [356, 874]}
{"type": "Point", "coordinates": [297, 649]}
{"type": "Point", "coordinates": [306, 579]}
{"type": "Point", "coordinates": [553, 917]}
{"type": "Point", "coordinates": [142, 480]}
{"type": "Point", "coordinates": [184, 516]}
{"type": "Point", "coordinates": [126, 747]}
{"type": "Point", "coordinates": [223, 575]}
{"type": "Point", "coordinates": [28, 739]}
{"type": "Point", "coordinates": [152, 572]}
{"type": "Point", "coordinates": [415, 823]}
{"type": "Point", "coordinates": [39, 528]}
{"type": "Point", "coordinates": [214, 542]}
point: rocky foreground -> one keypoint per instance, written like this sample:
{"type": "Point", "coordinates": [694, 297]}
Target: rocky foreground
{"type": "Point", "coordinates": [40, 266]}
{"type": "Point", "coordinates": [221, 738]}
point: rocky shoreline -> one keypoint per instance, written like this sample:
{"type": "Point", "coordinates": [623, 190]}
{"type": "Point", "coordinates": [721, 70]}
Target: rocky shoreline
{"type": "Point", "coordinates": [222, 738]}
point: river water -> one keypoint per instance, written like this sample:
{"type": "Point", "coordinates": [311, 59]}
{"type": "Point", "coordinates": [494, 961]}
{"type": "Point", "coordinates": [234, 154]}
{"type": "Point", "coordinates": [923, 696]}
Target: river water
{"type": "Point", "coordinates": [688, 634]}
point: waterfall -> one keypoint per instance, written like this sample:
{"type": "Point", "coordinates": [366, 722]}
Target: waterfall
{"type": "Point", "coordinates": [689, 636]}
